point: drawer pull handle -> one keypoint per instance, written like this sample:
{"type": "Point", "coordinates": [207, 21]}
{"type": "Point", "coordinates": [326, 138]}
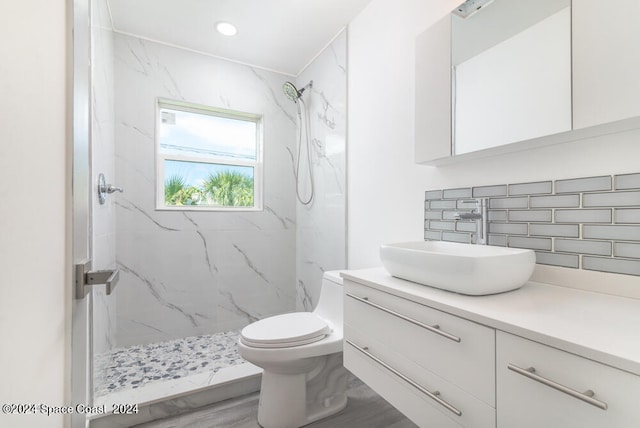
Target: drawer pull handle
{"type": "Point", "coordinates": [586, 396]}
{"type": "Point", "coordinates": [433, 395]}
{"type": "Point", "coordinates": [432, 328]}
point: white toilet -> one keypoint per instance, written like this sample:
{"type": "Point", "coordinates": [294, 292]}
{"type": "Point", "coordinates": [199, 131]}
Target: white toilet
{"type": "Point", "coordinates": [303, 378]}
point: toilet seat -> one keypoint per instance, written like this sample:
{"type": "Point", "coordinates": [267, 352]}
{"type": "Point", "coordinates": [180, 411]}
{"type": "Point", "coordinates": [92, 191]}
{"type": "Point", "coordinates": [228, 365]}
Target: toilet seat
{"type": "Point", "coordinates": [287, 330]}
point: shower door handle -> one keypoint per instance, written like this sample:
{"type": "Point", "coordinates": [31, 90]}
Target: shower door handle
{"type": "Point", "coordinates": [85, 277]}
{"type": "Point", "coordinates": [107, 277]}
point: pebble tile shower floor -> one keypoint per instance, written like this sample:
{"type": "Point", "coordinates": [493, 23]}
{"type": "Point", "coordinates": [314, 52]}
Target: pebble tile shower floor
{"type": "Point", "coordinates": [136, 366]}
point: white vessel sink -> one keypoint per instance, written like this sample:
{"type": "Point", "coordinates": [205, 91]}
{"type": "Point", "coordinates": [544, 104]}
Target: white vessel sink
{"type": "Point", "coordinates": [462, 268]}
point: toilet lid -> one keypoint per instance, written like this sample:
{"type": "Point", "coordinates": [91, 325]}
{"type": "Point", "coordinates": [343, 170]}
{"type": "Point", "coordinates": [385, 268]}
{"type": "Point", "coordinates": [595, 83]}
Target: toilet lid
{"type": "Point", "coordinates": [280, 331]}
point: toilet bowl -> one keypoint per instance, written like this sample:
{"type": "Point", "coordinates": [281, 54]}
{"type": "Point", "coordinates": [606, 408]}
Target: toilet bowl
{"type": "Point", "coordinates": [303, 378]}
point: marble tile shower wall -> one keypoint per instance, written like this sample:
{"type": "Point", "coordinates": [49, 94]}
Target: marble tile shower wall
{"type": "Point", "coordinates": [590, 223]}
{"type": "Point", "coordinates": [186, 273]}
{"type": "Point", "coordinates": [320, 231]}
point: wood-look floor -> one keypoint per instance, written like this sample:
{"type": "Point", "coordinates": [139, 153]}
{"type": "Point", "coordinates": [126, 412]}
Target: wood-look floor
{"type": "Point", "coordinates": [365, 409]}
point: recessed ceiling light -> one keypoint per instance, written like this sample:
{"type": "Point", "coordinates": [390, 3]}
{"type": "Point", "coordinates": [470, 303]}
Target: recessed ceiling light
{"type": "Point", "coordinates": [226, 28]}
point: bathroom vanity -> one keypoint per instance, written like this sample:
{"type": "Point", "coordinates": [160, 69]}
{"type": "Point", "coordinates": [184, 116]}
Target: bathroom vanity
{"type": "Point", "coordinates": [539, 356]}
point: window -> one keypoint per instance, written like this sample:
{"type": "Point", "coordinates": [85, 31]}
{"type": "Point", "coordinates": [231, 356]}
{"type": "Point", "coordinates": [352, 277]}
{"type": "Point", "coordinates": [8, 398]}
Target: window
{"type": "Point", "coordinates": [208, 158]}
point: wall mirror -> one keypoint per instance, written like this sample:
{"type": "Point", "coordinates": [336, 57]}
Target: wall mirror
{"type": "Point", "coordinates": [510, 72]}
{"type": "Point", "coordinates": [500, 76]}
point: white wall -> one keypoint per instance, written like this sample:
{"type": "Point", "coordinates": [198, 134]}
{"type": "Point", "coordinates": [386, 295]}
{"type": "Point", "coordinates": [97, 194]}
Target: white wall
{"type": "Point", "coordinates": [385, 193]}
{"type": "Point", "coordinates": [385, 188]}
{"type": "Point", "coordinates": [34, 316]}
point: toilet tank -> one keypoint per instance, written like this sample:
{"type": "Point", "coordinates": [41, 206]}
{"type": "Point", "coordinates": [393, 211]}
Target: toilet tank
{"type": "Point", "coordinates": [330, 303]}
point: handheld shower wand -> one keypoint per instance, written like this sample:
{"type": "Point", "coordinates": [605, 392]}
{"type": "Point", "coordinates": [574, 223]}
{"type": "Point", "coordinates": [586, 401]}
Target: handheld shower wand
{"type": "Point", "coordinates": [294, 95]}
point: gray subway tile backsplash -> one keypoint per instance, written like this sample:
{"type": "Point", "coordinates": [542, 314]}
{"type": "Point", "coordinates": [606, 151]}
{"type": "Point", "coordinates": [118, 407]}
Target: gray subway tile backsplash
{"type": "Point", "coordinates": [530, 243]}
{"type": "Point", "coordinates": [432, 235]}
{"type": "Point", "coordinates": [591, 223]}
{"type": "Point", "coordinates": [564, 230]}
{"type": "Point", "coordinates": [486, 191]}
{"type": "Point", "coordinates": [591, 184]}
{"type": "Point", "coordinates": [508, 228]}
{"type": "Point", "coordinates": [628, 267]}
{"type": "Point", "coordinates": [582, 246]}
{"type": "Point", "coordinates": [583, 216]}
{"type": "Point", "coordinates": [449, 215]}
{"type": "Point", "coordinates": [464, 238]}
{"type": "Point", "coordinates": [611, 199]}
{"type": "Point", "coordinates": [442, 225]}
{"type": "Point", "coordinates": [616, 232]}
{"type": "Point", "coordinates": [530, 215]}
{"type": "Point", "coordinates": [542, 187]}
{"type": "Point", "coordinates": [456, 193]}
{"type": "Point", "coordinates": [498, 240]}
{"type": "Point", "coordinates": [498, 203]}
{"type": "Point", "coordinates": [558, 259]}
{"type": "Point", "coordinates": [497, 215]}
{"type": "Point", "coordinates": [466, 227]}
{"type": "Point", "coordinates": [442, 205]}
{"type": "Point", "coordinates": [466, 204]}
{"type": "Point", "coordinates": [433, 215]}
{"type": "Point", "coordinates": [626, 249]}
{"type": "Point", "coordinates": [626, 215]}
{"type": "Point", "coordinates": [432, 194]}
{"type": "Point", "coordinates": [561, 201]}
{"type": "Point", "coordinates": [627, 181]}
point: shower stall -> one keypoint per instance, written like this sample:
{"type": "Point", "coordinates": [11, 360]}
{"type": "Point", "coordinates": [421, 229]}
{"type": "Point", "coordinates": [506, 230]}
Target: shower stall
{"type": "Point", "coordinates": [191, 279]}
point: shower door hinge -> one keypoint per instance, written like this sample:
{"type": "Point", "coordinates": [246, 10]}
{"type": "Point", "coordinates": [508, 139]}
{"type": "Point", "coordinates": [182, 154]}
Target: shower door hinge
{"type": "Point", "coordinates": [85, 277]}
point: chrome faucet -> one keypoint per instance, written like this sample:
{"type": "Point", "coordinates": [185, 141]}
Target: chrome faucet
{"type": "Point", "coordinates": [481, 215]}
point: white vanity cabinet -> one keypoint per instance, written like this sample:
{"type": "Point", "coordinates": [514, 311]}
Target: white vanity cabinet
{"type": "Point", "coordinates": [542, 356]}
{"type": "Point", "coordinates": [436, 368]}
{"type": "Point", "coordinates": [539, 386]}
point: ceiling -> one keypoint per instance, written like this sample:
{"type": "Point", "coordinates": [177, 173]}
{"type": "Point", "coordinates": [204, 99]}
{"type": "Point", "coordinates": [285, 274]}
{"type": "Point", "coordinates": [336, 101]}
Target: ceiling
{"type": "Point", "coordinates": [280, 35]}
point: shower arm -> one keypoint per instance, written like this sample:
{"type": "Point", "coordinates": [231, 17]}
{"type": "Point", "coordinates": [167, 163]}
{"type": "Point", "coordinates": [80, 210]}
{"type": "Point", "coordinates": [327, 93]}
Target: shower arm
{"type": "Point", "coordinates": [307, 86]}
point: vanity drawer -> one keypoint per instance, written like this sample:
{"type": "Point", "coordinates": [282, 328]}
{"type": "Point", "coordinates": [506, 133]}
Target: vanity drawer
{"type": "Point", "coordinates": [424, 397]}
{"type": "Point", "coordinates": [459, 351]}
{"type": "Point", "coordinates": [532, 400]}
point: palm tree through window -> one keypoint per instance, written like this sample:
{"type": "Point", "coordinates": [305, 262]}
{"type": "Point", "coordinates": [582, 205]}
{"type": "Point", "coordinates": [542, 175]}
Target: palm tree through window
{"type": "Point", "coordinates": [208, 158]}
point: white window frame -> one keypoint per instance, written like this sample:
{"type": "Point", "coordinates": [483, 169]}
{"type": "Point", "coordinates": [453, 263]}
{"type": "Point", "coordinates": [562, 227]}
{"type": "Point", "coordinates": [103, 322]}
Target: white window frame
{"type": "Point", "coordinates": [211, 111]}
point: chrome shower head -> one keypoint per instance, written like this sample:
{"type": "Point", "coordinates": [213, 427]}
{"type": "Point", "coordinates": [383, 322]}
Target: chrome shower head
{"type": "Point", "coordinates": [292, 92]}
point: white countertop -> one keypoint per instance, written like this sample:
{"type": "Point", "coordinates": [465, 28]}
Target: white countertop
{"type": "Point", "coordinates": [598, 326]}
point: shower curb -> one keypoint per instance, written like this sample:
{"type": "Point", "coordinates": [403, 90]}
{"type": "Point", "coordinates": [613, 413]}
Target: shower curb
{"type": "Point", "coordinates": [175, 404]}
